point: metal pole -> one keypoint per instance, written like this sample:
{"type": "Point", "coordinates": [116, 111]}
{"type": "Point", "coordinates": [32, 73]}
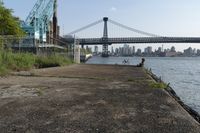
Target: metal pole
{"type": "Point", "coordinates": [73, 49]}
{"type": "Point", "coordinates": [76, 51]}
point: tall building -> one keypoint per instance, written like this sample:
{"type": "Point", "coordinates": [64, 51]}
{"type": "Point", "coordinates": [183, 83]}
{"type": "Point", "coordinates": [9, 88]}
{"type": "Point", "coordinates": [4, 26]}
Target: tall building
{"type": "Point", "coordinates": [170, 52]}
{"type": "Point", "coordinates": [120, 51]}
{"type": "Point", "coordinates": [198, 52]}
{"type": "Point", "coordinates": [159, 49]}
{"type": "Point", "coordinates": [96, 50]}
{"type": "Point", "coordinates": [139, 52]}
{"type": "Point", "coordinates": [126, 50]}
{"type": "Point", "coordinates": [148, 50]}
{"type": "Point", "coordinates": [112, 50]}
{"type": "Point", "coordinates": [117, 51]}
{"type": "Point", "coordinates": [133, 50]}
{"type": "Point", "coordinates": [173, 49]}
{"type": "Point", "coordinates": [194, 51]}
{"type": "Point", "coordinates": [188, 52]}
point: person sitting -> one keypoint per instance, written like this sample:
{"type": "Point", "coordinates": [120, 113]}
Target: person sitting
{"type": "Point", "coordinates": [142, 63]}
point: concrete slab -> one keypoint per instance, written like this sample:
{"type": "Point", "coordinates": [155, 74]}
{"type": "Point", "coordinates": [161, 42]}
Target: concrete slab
{"type": "Point", "coordinates": [89, 98]}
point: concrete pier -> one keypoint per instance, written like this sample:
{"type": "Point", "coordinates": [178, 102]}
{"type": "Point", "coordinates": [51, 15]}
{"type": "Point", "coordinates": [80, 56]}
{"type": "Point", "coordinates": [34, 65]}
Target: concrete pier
{"type": "Point", "coordinates": [89, 99]}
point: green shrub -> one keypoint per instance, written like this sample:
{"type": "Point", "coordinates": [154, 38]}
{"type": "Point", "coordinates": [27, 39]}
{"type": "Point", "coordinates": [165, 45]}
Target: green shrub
{"type": "Point", "coordinates": [17, 61]}
{"type": "Point", "coordinates": [51, 61]}
{"type": "Point", "coordinates": [25, 61]}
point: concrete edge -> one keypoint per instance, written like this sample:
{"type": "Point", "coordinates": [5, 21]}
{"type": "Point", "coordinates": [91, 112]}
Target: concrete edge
{"type": "Point", "coordinates": [172, 93]}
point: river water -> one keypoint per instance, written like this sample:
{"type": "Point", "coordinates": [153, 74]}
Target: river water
{"type": "Point", "coordinates": [183, 74]}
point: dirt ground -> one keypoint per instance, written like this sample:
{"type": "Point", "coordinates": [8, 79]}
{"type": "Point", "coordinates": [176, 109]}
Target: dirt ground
{"type": "Point", "coordinates": [89, 99]}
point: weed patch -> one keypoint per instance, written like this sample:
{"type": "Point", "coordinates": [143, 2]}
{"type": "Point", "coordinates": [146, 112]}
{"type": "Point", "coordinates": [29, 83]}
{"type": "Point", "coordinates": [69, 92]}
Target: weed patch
{"type": "Point", "coordinates": [156, 85]}
{"type": "Point", "coordinates": [25, 61]}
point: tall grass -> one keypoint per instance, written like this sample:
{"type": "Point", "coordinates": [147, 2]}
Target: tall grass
{"type": "Point", "coordinates": [19, 61]}
{"type": "Point", "coordinates": [52, 61]}
{"type": "Point", "coordinates": [25, 61]}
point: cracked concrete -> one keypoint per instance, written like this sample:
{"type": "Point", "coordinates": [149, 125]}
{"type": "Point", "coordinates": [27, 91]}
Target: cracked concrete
{"type": "Point", "coordinates": [89, 98]}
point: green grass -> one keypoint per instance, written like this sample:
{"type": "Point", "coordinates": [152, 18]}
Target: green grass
{"type": "Point", "coordinates": [3, 70]}
{"type": "Point", "coordinates": [156, 85]}
{"type": "Point", "coordinates": [51, 61]}
{"type": "Point", "coordinates": [25, 61]}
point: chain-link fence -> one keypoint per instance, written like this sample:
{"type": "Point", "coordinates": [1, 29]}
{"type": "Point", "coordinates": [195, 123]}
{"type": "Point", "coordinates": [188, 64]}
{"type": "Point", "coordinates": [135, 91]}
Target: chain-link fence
{"type": "Point", "coordinates": [30, 44]}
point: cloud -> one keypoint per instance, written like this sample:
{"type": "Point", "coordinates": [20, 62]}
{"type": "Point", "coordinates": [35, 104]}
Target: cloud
{"type": "Point", "coordinates": [113, 9]}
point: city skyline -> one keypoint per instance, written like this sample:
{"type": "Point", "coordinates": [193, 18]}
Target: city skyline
{"type": "Point", "coordinates": [163, 49]}
{"type": "Point", "coordinates": [166, 18]}
{"type": "Point", "coordinates": [127, 50]}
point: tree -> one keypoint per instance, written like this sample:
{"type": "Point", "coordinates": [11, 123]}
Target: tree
{"type": "Point", "coordinates": [9, 25]}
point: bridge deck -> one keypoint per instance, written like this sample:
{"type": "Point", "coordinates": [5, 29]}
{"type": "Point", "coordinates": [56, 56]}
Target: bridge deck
{"type": "Point", "coordinates": [93, 41]}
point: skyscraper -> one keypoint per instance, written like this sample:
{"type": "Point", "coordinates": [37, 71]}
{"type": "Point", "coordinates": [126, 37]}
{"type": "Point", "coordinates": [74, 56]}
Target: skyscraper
{"type": "Point", "coordinates": [173, 49]}
{"type": "Point", "coordinates": [139, 52]}
{"type": "Point", "coordinates": [96, 50]}
{"type": "Point", "coordinates": [133, 50]}
{"type": "Point", "coordinates": [112, 50]}
{"type": "Point", "coordinates": [148, 50]}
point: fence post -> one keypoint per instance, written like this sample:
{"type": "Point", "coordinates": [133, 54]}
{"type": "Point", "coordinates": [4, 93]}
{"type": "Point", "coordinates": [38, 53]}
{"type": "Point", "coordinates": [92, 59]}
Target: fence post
{"type": "Point", "coordinates": [76, 51]}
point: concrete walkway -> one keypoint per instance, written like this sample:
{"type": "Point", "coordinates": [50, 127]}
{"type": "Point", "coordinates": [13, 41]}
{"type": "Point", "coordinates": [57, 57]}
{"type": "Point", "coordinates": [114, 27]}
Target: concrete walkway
{"type": "Point", "coordinates": [89, 99]}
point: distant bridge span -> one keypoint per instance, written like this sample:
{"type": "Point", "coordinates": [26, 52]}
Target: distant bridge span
{"type": "Point", "coordinates": [105, 40]}
{"type": "Point", "coordinates": [100, 41]}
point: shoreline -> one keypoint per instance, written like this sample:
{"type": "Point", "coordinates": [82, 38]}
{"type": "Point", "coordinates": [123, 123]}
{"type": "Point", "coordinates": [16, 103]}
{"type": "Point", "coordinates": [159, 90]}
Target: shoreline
{"type": "Point", "coordinates": [172, 93]}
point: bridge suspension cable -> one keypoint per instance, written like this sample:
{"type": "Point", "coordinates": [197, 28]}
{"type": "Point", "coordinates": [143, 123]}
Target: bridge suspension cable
{"type": "Point", "coordinates": [132, 29]}
{"type": "Point", "coordinates": [85, 27]}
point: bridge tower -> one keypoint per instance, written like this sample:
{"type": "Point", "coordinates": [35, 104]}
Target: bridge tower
{"type": "Point", "coordinates": [105, 38]}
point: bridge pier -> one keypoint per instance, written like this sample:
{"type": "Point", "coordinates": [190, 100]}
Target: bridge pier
{"type": "Point", "coordinates": [105, 50]}
{"type": "Point", "coordinates": [105, 37]}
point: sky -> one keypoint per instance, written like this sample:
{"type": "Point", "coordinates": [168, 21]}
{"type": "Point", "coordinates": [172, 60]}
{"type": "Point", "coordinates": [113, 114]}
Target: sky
{"type": "Point", "coordinates": [161, 17]}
